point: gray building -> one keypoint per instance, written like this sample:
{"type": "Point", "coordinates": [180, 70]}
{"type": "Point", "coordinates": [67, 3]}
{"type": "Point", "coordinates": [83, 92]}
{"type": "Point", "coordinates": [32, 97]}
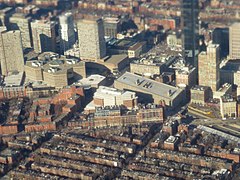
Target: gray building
{"type": "Point", "coordinates": [92, 44]}
{"type": "Point", "coordinates": [43, 35]}
{"type": "Point", "coordinates": [66, 31]}
{"type": "Point", "coordinates": [229, 72]}
{"type": "Point", "coordinates": [221, 36]}
{"type": "Point", "coordinates": [150, 91]}
{"type": "Point", "coordinates": [11, 52]}
{"type": "Point", "coordinates": [111, 27]}
{"type": "Point", "coordinates": [20, 21]}
{"type": "Point", "coordinates": [5, 14]}
{"type": "Point", "coordinates": [190, 28]}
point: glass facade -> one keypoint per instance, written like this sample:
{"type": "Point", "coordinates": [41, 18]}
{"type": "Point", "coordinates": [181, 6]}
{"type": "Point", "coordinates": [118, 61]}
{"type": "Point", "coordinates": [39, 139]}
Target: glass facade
{"type": "Point", "coordinates": [190, 30]}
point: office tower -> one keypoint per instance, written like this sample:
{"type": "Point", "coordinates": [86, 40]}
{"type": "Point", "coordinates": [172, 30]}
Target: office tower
{"type": "Point", "coordinates": [66, 31]}
{"type": "Point", "coordinates": [190, 30]}
{"type": "Point", "coordinates": [221, 36]}
{"type": "Point", "coordinates": [43, 35]}
{"type": "Point", "coordinates": [20, 21]}
{"type": "Point", "coordinates": [208, 67]}
{"type": "Point", "coordinates": [92, 44]}
{"type": "Point", "coordinates": [111, 27]}
{"type": "Point", "coordinates": [234, 39]}
{"type": "Point", "coordinates": [11, 52]}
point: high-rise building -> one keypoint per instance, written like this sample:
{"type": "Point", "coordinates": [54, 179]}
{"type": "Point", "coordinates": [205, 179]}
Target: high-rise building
{"type": "Point", "coordinates": [221, 36]}
{"type": "Point", "coordinates": [208, 67]}
{"type": "Point", "coordinates": [190, 30]}
{"type": "Point", "coordinates": [92, 44]}
{"type": "Point", "coordinates": [11, 52]}
{"type": "Point", "coordinates": [66, 31]}
{"type": "Point", "coordinates": [4, 15]}
{"type": "Point", "coordinates": [111, 27]}
{"type": "Point", "coordinates": [43, 35]}
{"type": "Point", "coordinates": [234, 39]}
{"type": "Point", "coordinates": [20, 21]}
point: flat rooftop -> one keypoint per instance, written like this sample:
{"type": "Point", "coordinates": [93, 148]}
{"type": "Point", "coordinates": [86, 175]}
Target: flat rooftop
{"type": "Point", "coordinates": [116, 59]}
{"type": "Point", "coordinates": [150, 86]}
{"type": "Point", "coordinates": [43, 23]}
{"type": "Point", "coordinates": [185, 70]}
{"type": "Point", "coordinates": [14, 80]}
{"type": "Point", "coordinates": [232, 65]}
{"type": "Point", "coordinates": [94, 79]}
{"type": "Point", "coordinates": [107, 92]}
{"type": "Point", "coordinates": [55, 65]}
{"type": "Point", "coordinates": [111, 20]}
{"type": "Point", "coordinates": [199, 88]}
{"type": "Point", "coordinates": [92, 20]}
{"type": "Point", "coordinates": [225, 87]}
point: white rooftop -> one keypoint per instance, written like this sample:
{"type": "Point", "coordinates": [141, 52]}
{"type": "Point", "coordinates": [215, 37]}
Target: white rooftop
{"type": "Point", "coordinates": [149, 86]}
{"type": "Point", "coordinates": [91, 80]}
{"type": "Point", "coordinates": [91, 106]}
{"type": "Point", "coordinates": [14, 80]}
{"type": "Point", "coordinates": [105, 92]}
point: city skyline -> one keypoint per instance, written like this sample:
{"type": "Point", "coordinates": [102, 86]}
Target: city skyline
{"type": "Point", "coordinates": [119, 89]}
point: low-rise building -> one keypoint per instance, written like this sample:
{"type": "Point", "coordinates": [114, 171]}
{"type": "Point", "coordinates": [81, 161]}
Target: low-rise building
{"type": "Point", "coordinates": [171, 143]}
{"type": "Point", "coordinates": [174, 39]}
{"type": "Point", "coordinates": [150, 90]}
{"type": "Point", "coordinates": [107, 111]}
{"type": "Point", "coordinates": [147, 67]}
{"type": "Point", "coordinates": [186, 76]}
{"type": "Point", "coordinates": [55, 71]}
{"type": "Point", "coordinates": [171, 127]}
{"type": "Point", "coordinates": [228, 107]}
{"type": "Point", "coordinates": [13, 87]}
{"type": "Point", "coordinates": [115, 62]}
{"type": "Point", "coordinates": [136, 50]}
{"type": "Point", "coordinates": [105, 96]}
{"type": "Point", "coordinates": [129, 46]}
{"type": "Point", "coordinates": [200, 94]}
{"type": "Point", "coordinates": [92, 81]}
{"type": "Point", "coordinates": [228, 71]}
{"type": "Point", "coordinates": [222, 91]}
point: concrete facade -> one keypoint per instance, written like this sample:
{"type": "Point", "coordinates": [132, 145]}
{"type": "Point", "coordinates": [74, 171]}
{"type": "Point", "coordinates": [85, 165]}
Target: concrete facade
{"type": "Point", "coordinates": [200, 94]}
{"type": "Point", "coordinates": [208, 67]}
{"type": "Point", "coordinates": [111, 27]}
{"type": "Point", "coordinates": [91, 39]}
{"type": "Point", "coordinates": [186, 76]}
{"type": "Point", "coordinates": [21, 22]}
{"type": "Point", "coordinates": [234, 38]}
{"type": "Point", "coordinates": [43, 35]}
{"type": "Point", "coordinates": [228, 107]}
{"type": "Point", "coordinates": [66, 31]}
{"type": "Point", "coordinates": [56, 72]}
{"type": "Point", "coordinates": [11, 56]}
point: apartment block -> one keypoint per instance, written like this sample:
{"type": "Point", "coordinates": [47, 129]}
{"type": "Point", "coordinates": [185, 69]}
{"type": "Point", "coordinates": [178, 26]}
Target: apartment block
{"type": "Point", "coordinates": [43, 36]}
{"type": "Point", "coordinates": [91, 39]}
{"type": "Point", "coordinates": [20, 21]}
{"type": "Point", "coordinates": [234, 38]}
{"type": "Point", "coordinates": [11, 56]}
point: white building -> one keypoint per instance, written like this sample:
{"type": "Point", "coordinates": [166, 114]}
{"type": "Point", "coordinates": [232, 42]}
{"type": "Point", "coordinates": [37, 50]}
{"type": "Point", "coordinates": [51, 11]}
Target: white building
{"type": "Point", "coordinates": [66, 31]}
{"type": "Point", "coordinates": [106, 96]}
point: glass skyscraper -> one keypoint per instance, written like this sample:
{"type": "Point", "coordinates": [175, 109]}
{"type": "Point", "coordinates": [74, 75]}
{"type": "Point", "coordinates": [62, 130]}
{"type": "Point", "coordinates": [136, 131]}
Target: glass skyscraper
{"type": "Point", "coordinates": [190, 30]}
